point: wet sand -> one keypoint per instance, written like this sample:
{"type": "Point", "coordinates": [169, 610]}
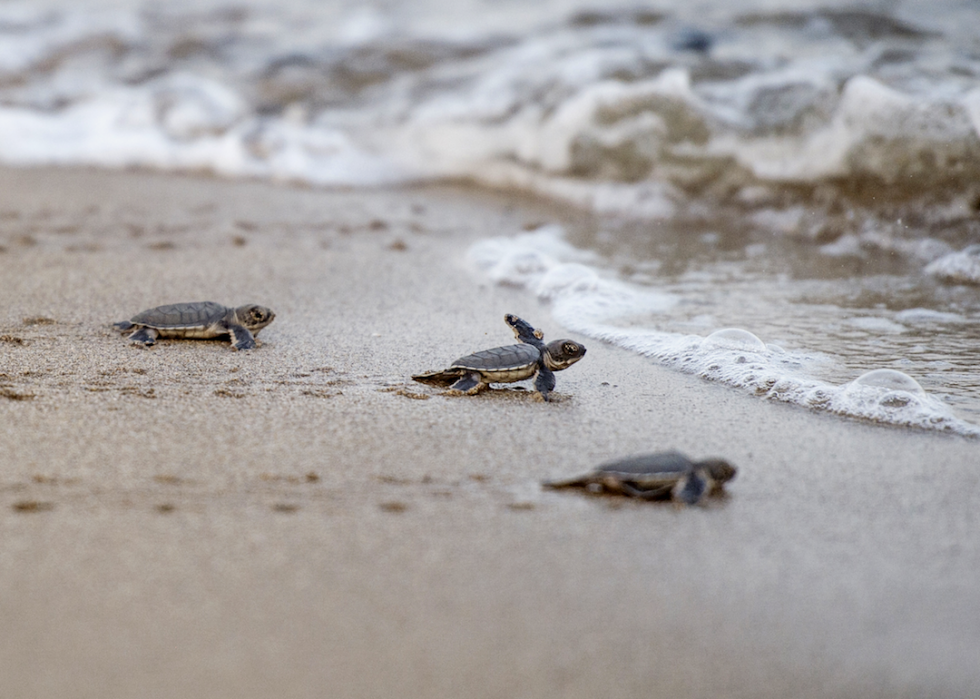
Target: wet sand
{"type": "Point", "coordinates": [303, 520]}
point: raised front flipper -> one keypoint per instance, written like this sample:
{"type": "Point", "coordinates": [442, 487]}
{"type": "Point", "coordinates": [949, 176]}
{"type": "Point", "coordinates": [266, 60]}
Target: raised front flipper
{"type": "Point", "coordinates": [123, 326]}
{"type": "Point", "coordinates": [146, 337]}
{"type": "Point", "coordinates": [545, 383]}
{"type": "Point", "coordinates": [524, 331]}
{"type": "Point", "coordinates": [241, 337]}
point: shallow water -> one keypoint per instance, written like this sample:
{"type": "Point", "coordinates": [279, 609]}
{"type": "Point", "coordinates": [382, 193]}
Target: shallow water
{"type": "Point", "coordinates": [803, 171]}
{"type": "Point", "coordinates": [850, 313]}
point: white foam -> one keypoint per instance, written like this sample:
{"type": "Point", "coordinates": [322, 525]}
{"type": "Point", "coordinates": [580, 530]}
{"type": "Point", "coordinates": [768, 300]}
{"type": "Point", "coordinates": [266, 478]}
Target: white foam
{"type": "Point", "coordinates": [584, 301]}
{"type": "Point", "coordinates": [923, 316]}
{"type": "Point", "coordinates": [609, 116]}
{"type": "Point", "coordinates": [34, 33]}
{"type": "Point", "coordinates": [961, 267]}
{"type": "Point", "coordinates": [876, 324]}
{"type": "Point", "coordinates": [543, 262]}
{"type": "Point", "coordinates": [187, 124]}
{"type": "Point", "coordinates": [601, 117]}
{"type": "Point", "coordinates": [875, 130]}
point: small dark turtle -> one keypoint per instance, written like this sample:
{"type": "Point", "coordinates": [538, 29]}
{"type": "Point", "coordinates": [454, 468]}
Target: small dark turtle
{"type": "Point", "coordinates": [200, 320]}
{"type": "Point", "coordinates": [661, 476]}
{"type": "Point", "coordinates": [530, 359]}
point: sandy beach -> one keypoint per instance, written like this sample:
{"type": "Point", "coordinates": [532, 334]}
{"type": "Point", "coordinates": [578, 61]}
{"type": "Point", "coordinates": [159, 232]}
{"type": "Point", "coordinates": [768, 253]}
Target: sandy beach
{"type": "Point", "coordinates": [304, 520]}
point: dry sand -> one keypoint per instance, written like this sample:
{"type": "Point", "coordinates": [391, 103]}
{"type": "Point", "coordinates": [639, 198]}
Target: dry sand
{"type": "Point", "coordinates": [304, 521]}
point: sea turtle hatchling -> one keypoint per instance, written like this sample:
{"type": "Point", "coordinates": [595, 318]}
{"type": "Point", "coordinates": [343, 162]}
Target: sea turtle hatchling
{"type": "Point", "coordinates": [660, 476]}
{"type": "Point", "coordinates": [203, 320]}
{"type": "Point", "coordinates": [532, 358]}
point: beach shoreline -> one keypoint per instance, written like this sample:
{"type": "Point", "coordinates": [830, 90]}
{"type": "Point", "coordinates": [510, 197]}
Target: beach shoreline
{"type": "Point", "coordinates": [304, 519]}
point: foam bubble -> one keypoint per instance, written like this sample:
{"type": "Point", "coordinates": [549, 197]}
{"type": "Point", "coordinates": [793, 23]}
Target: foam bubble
{"type": "Point", "coordinates": [735, 337]}
{"type": "Point", "coordinates": [888, 379]}
{"type": "Point", "coordinates": [886, 395]}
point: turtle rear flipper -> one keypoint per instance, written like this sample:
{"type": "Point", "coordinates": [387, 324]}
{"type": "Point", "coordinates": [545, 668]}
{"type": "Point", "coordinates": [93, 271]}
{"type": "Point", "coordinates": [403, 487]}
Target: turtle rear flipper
{"type": "Point", "coordinates": [444, 378]}
{"type": "Point", "coordinates": [574, 482]}
{"type": "Point", "coordinates": [144, 336]}
{"type": "Point", "coordinates": [656, 493]}
{"type": "Point", "coordinates": [470, 383]}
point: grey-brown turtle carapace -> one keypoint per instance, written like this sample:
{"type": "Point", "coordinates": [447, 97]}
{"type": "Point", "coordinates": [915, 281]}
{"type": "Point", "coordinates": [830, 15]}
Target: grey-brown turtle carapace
{"type": "Point", "coordinates": [659, 476]}
{"type": "Point", "coordinates": [532, 358]}
{"type": "Point", "coordinates": [202, 320]}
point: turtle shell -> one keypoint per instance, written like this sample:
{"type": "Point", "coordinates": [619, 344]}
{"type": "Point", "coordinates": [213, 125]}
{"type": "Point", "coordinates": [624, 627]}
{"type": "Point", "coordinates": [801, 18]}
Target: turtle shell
{"type": "Point", "coordinates": [648, 470]}
{"type": "Point", "coordinates": [500, 359]}
{"type": "Point", "coordinates": [199, 314]}
{"type": "Point", "coordinates": [661, 470]}
{"type": "Point", "coordinates": [651, 471]}
{"type": "Point", "coordinates": [655, 476]}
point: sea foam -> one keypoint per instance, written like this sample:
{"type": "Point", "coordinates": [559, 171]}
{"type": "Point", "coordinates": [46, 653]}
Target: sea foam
{"type": "Point", "coordinates": [618, 112]}
{"type": "Point", "coordinates": [585, 301]}
{"type": "Point", "coordinates": [961, 267]}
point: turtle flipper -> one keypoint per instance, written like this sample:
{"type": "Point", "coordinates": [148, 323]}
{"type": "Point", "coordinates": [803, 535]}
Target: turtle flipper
{"type": "Point", "coordinates": [576, 482]}
{"type": "Point", "coordinates": [470, 383]}
{"type": "Point", "coordinates": [645, 493]}
{"type": "Point", "coordinates": [691, 488]}
{"type": "Point", "coordinates": [123, 326]}
{"type": "Point", "coordinates": [443, 378]}
{"type": "Point", "coordinates": [545, 383]}
{"type": "Point", "coordinates": [241, 337]}
{"type": "Point", "coordinates": [144, 336]}
{"type": "Point", "coordinates": [523, 331]}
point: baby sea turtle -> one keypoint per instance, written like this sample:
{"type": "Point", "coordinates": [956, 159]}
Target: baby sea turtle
{"type": "Point", "coordinates": [532, 358]}
{"type": "Point", "coordinates": [660, 476]}
{"type": "Point", "coordinates": [203, 320]}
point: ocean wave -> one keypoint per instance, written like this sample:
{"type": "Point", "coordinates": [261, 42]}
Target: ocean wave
{"type": "Point", "coordinates": [961, 267]}
{"type": "Point", "coordinates": [617, 111]}
{"type": "Point", "coordinates": [586, 302]}
{"type": "Point", "coordinates": [852, 132]}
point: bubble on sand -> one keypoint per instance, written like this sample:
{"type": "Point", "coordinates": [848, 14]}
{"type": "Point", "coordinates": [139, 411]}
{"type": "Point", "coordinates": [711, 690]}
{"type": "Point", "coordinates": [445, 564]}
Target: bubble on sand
{"type": "Point", "coordinates": [736, 338]}
{"type": "Point", "coordinates": [888, 379]}
{"type": "Point", "coordinates": [886, 395]}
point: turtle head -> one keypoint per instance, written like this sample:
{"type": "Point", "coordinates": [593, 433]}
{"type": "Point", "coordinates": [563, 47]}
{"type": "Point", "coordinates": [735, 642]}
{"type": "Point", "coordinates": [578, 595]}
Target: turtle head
{"type": "Point", "coordinates": [561, 354]}
{"type": "Point", "coordinates": [254, 317]}
{"type": "Point", "coordinates": [720, 470]}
